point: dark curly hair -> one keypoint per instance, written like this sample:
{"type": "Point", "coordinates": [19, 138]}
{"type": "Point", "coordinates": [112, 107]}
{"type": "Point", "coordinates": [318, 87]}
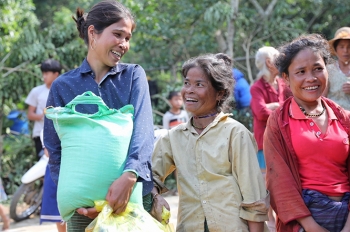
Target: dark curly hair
{"type": "Point", "coordinates": [218, 68]}
{"type": "Point", "coordinates": [316, 42]}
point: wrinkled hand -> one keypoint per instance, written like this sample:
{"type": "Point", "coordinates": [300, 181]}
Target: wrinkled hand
{"type": "Point", "coordinates": [88, 212]}
{"type": "Point", "coordinates": [272, 105]}
{"type": "Point", "coordinates": [120, 191]}
{"type": "Point", "coordinates": [346, 88]}
{"type": "Point", "coordinates": [157, 207]}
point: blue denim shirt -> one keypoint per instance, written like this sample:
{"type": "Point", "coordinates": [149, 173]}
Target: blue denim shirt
{"type": "Point", "coordinates": [123, 84]}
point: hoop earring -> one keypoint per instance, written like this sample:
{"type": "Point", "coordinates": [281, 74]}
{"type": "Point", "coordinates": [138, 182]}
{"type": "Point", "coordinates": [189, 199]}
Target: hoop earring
{"type": "Point", "coordinates": [93, 42]}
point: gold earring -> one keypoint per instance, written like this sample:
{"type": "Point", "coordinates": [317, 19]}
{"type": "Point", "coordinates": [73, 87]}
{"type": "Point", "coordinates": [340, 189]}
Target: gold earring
{"type": "Point", "coordinates": [93, 42]}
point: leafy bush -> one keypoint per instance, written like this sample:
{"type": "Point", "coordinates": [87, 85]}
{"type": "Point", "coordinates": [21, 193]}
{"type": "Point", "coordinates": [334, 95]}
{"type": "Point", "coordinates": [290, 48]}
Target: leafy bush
{"type": "Point", "coordinates": [18, 156]}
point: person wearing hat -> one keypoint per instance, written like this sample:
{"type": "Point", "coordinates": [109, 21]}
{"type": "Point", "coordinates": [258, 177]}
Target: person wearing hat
{"type": "Point", "coordinates": [339, 72]}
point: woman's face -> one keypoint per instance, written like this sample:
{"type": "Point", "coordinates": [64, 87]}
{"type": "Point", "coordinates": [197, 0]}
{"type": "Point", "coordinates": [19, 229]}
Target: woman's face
{"type": "Point", "coordinates": [307, 76]}
{"type": "Point", "coordinates": [112, 43]}
{"type": "Point", "coordinates": [343, 50]}
{"type": "Point", "coordinates": [199, 95]}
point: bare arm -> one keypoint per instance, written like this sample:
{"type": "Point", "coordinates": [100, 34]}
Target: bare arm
{"type": "Point", "coordinates": [256, 226]}
{"type": "Point", "coordinates": [347, 225]}
{"type": "Point", "coordinates": [32, 115]}
{"type": "Point", "coordinates": [310, 225]}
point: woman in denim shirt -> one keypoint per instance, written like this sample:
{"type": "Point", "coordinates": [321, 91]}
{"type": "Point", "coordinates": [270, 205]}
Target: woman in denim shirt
{"type": "Point", "coordinates": [107, 30]}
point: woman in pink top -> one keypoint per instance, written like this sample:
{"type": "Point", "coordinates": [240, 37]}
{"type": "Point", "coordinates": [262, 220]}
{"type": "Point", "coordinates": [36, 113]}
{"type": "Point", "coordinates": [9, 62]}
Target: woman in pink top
{"type": "Point", "coordinates": [268, 92]}
{"type": "Point", "coordinates": [306, 145]}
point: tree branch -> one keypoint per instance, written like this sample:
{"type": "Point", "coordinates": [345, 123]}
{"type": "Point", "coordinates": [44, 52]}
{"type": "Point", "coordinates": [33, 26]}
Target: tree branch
{"type": "Point", "coordinates": [15, 69]}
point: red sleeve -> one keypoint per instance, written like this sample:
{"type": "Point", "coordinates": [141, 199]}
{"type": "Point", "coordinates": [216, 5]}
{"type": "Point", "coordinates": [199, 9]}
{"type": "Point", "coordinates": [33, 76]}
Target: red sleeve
{"type": "Point", "coordinates": [282, 178]}
{"type": "Point", "coordinates": [258, 102]}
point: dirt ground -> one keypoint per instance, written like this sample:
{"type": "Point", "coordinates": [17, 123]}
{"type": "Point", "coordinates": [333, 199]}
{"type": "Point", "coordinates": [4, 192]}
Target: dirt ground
{"type": "Point", "coordinates": [33, 224]}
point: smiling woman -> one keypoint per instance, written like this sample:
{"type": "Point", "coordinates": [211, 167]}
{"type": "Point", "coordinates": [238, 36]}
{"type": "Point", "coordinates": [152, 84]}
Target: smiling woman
{"type": "Point", "coordinates": [106, 30]}
{"type": "Point", "coordinates": [309, 188]}
{"type": "Point", "coordinates": [212, 151]}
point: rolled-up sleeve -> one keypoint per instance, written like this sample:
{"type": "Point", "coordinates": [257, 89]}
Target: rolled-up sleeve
{"type": "Point", "coordinates": [255, 197]}
{"type": "Point", "coordinates": [162, 161]}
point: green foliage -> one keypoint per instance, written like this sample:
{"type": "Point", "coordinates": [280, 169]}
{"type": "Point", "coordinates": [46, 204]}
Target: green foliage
{"type": "Point", "coordinates": [14, 16]}
{"type": "Point", "coordinates": [45, 9]}
{"type": "Point", "coordinates": [18, 156]}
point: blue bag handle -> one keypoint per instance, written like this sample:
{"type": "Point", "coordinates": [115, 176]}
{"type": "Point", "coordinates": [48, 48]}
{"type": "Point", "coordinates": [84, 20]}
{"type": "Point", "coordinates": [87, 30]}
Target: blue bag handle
{"type": "Point", "coordinates": [91, 99]}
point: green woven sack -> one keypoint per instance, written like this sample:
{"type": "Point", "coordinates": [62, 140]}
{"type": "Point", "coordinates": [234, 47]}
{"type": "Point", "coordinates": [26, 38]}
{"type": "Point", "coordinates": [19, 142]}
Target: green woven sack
{"type": "Point", "coordinates": [94, 150]}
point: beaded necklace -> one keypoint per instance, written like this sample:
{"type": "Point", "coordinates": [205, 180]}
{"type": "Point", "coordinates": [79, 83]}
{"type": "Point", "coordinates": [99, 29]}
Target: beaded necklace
{"type": "Point", "coordinates": [206, 116]}
{"type": "Point", "coordinates": [312, 115]}
{"type": "Point", "coordinates": [199, 128]}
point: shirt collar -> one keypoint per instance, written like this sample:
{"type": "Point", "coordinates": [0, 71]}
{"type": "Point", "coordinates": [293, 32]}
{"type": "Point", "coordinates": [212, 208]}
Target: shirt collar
{"type": "Point", "coordinates": [296, 113]}
{"type": "Point", "coordinates": [221, 116]}
{"type": "Point", "coordinates": [85, 68]}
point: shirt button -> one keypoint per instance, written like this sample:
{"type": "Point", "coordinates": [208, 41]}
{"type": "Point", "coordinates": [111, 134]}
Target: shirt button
{"type": "Point", "coordinates": [312, 123]}
{"type": "Point", "coordinates": [204, 202]}
{"type": "Point", "coordinates": [318, 133]}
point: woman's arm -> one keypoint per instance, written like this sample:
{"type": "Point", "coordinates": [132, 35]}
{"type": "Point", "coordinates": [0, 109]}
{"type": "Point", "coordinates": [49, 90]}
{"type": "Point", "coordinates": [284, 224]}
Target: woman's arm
{"type": "Point", "coordinates": [281, 180]}
{"type": "Point", "coordinates": [138, 161]}
{"type": "Point", "coordinates": [347, 225]}
{"type": "Point", "coordinates": [310, 225]}
{"type": "Point", "coordinates": [256, 226]}
{"type": "Point", "coordinates": [258, 103]}
{"type": "Point", "coordinates": [249, 178]}
{"type": "Point", "coordinates": [157, 205]}
{"type": "Point", "coordinates": [51, 141]}
{"type": "Point", "coordinates": [141, 145]}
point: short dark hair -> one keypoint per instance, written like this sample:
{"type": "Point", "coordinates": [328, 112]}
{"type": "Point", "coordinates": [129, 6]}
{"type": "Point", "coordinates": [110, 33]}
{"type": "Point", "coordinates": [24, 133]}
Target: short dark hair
{"type": "Point", "coordinates": [218, 68]}
{"type": "Point", "coordinates": [51, 65]}
{"type": "Point", "coordinates": [316, 42]}
{"type": "Point", "coordinates": [102, 15]}
{"type": "Point", "coordinates": [173, 94]}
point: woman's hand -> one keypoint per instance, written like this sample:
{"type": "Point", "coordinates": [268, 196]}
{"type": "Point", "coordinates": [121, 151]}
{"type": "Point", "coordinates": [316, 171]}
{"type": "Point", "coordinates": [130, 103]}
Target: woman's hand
{"type": "Point", "coordinates": [310, 225]}
{"type": "Point", "coordinates": [157, 205]}
{"type": "Point", "coordinates": [120, 191]}
{"type": "Point", "coordinates": [88, 212]}
{"type": "Point", "coordinates": [272, 105]}
{"type": "Point", "coordinates": [346, 88]}
{"type": "Point", "coordinates": [347, 225]}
